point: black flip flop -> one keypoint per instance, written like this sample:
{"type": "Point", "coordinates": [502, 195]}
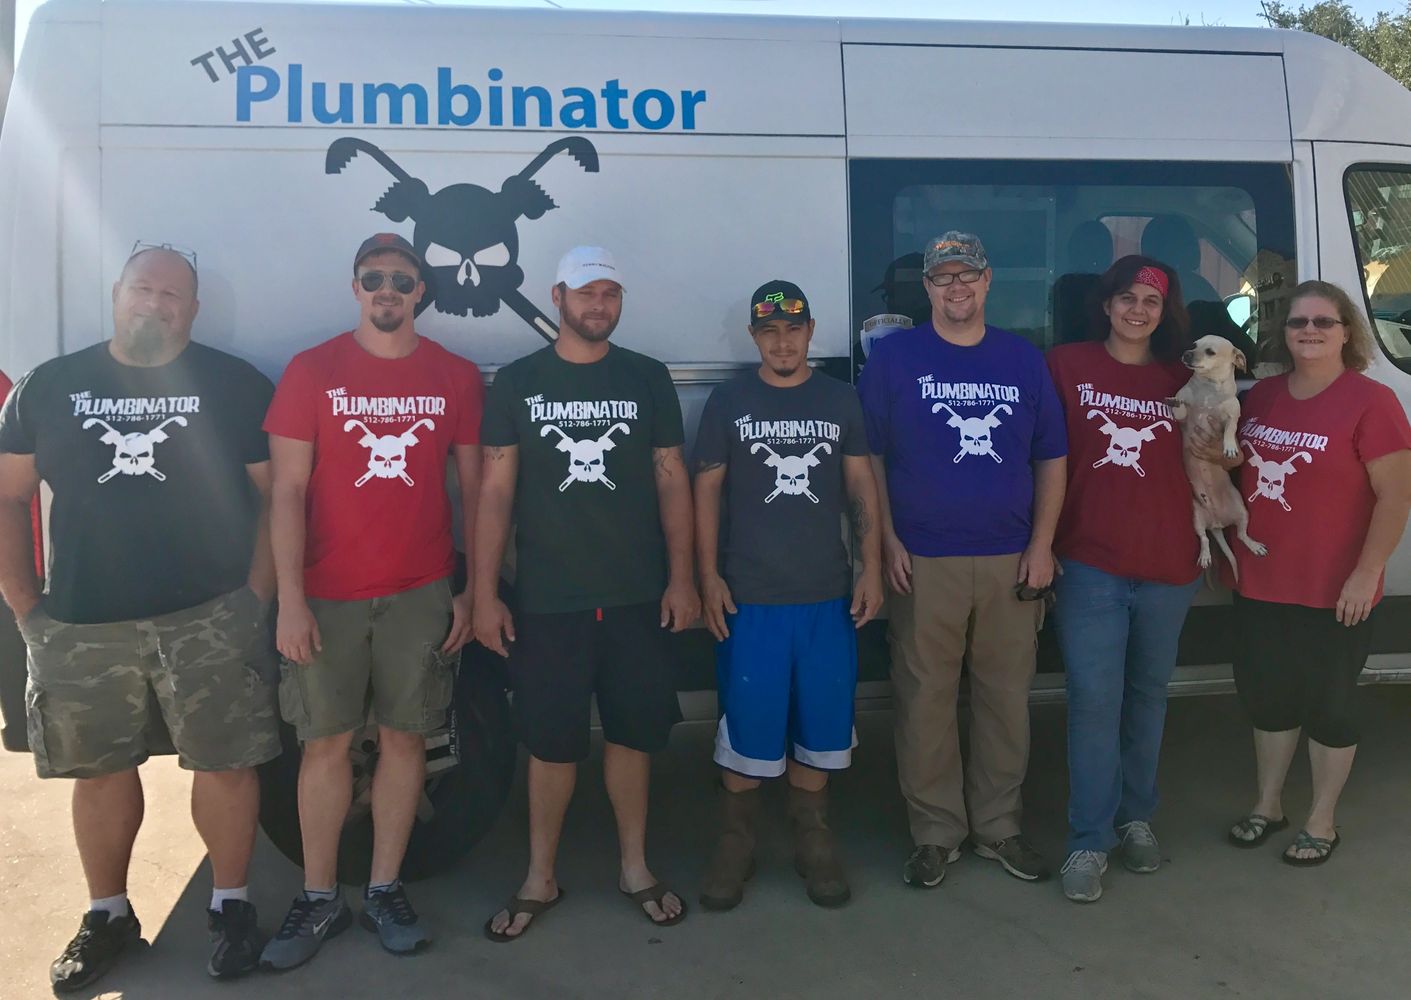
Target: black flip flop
{"type": "Point", "coordinates": [534, 907]}
{"type": "Point", "coordinates": [655, 894]}
{"type": "Point", "coordinates": [1270, 827]}
{"type": "Point", "coordinates": [1306, 840]}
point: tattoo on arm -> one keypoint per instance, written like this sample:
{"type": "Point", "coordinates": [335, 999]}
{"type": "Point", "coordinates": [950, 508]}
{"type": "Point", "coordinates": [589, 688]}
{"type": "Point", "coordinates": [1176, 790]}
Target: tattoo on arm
{"type": "Point", "coordinates": [661, 459]}
{"type": "Point", "coordinates": [495, 454]}
{"type": "Point", "coordinates": [861, 520]}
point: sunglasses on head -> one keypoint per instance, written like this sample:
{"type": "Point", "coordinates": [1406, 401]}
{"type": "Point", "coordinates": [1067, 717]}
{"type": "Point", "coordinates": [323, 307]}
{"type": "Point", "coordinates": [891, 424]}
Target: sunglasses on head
{"type": "Point", "coordinates": [402, 283]}
{"type": "Point", "coordinates": [1320, 322]}
{"type": "Point", "coordinates": [790, 307]}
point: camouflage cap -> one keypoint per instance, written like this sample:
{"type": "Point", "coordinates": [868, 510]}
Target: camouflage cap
{"type": "Point", "coordinates": [963, 247]}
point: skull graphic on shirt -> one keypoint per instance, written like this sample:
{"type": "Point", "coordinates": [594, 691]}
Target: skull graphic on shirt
{"type": "Point", "coordinates": [1124, 444]}
{"type": "Point", "coordinates": [1273, 475]}
{"type": "Point", "coordinates": [975, 432]}
{"type": "Point", "coordinates": [134, 453]}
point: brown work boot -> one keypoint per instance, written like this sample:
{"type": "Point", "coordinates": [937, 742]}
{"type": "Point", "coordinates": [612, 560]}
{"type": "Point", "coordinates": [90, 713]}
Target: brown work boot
{"type": "Point", "coordinates": [732, 861]}
{"type": "Point", "coordinates": [815, 851]}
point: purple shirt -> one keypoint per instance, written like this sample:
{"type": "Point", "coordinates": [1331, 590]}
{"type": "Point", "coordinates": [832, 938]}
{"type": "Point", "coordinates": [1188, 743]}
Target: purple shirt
{"type": "Point", "coordinates": [959, 428]}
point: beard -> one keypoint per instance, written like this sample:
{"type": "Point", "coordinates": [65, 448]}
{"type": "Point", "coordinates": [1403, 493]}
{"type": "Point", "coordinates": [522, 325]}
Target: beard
{"type": "Point", "coordinates": [783, 370]}
{"type": "Point", "coordinates": [388, 319]}
{"type": "Point", "coordinates": [146, 340]}
{"type": "Point", "coordinates": [594, 335]}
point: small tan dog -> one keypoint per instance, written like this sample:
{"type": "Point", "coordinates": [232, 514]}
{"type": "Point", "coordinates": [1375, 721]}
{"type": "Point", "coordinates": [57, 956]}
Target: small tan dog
{"type": "Point", "coordinates": [1208, 403]}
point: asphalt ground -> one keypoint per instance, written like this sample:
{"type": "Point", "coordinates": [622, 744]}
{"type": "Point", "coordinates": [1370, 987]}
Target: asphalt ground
{"type": "Point", "coordinates": [1214, 922]}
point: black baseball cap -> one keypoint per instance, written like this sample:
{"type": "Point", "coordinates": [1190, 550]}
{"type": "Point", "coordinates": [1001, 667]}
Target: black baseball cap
{"type": "Point", "coordinates": [378, 242]}
{"type": "Point", "coordinates": [772, 296]}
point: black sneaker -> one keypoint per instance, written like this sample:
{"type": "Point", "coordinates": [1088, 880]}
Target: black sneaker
{"type": "Point", "coordinates": [235, 940]}
{"type": "Point", "coordinates": [93, 950]}
{"type": "Point", "coordinates": [926, 868]}
{"type": "Point", "coordinates": [1017, 856]}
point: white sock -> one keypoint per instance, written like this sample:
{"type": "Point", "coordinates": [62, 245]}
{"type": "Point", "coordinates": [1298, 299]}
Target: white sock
{"type": "Point", "coordinates": [219, 896]}
{"type": "Point", "coordinates": [114, 906]}
{"type": "Point", "coordinates": [321, 895]}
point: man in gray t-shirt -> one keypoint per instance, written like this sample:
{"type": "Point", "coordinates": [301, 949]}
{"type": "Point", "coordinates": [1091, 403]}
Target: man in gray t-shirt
{"type": "Point", "coordinates": [787, 447]}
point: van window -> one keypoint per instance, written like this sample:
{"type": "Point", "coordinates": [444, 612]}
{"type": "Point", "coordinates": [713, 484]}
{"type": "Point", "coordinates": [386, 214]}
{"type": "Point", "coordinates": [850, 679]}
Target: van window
{"type": "Point", "coordinates": [1379, 208]}
{"type": "Point", "coordinates": [1050, 227]}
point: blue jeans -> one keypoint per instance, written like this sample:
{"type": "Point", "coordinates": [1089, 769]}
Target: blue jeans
{"type": "Point", "coordinates": [1118, 637]}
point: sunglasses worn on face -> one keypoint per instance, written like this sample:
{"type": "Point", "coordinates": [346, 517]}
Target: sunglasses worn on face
{"type": "Point", "coordinates": [1320, 322]}
{"type": "Point", "coordinates": [966, 278]}
{"type": "Point", "coordinates": [791, 307]}
{"type": "Point", "coordinates": [402, 284]}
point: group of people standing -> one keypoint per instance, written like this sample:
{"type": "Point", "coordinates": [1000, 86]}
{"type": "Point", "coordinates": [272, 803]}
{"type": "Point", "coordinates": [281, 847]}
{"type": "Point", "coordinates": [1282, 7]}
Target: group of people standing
{"type": "Point", "coordinates": [985, 486]}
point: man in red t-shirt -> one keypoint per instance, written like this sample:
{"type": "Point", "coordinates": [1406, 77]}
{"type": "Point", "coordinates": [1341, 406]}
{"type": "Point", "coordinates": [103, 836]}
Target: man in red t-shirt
{"type": "Point", "coordinates": [360, 428]}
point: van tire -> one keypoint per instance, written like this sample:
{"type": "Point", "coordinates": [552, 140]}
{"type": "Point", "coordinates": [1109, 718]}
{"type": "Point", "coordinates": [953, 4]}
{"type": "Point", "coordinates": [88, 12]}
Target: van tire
{"type": "Point", "coordinates": [466, 798]}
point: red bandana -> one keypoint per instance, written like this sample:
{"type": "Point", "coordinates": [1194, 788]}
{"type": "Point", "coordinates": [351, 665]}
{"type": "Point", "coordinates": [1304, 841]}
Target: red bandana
{"type": "Point", "coordinates": [1155, 277]}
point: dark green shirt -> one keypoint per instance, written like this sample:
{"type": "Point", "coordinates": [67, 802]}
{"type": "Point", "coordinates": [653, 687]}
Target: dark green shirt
{"type": "Point", "coordinates": [588, 530]}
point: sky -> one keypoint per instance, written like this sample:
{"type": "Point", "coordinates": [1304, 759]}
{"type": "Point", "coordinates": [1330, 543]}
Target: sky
{"type": "Point", "coordinates": [1232, 13]}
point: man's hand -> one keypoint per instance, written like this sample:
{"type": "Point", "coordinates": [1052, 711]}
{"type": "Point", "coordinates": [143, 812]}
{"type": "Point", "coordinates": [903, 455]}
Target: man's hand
{"type": "Point", "coordinates": [494, 626]}
{"type": "Point", "coordinates": [1355, 602]}
{"type": "Point", "coordinates": [462, 625]}
{"type": "Point", "coordinates": [296, 632]}
{"type": "Point", "coordinates": [897, 562]}
{"type": "Point", "coordinates": [680, 605]}
{"type": "Point", "coordinates": [866, 597]}
{"type": "Point", "coordinates": [1036, 566]}
{"type": "Point", "coordinates": [715, 603]}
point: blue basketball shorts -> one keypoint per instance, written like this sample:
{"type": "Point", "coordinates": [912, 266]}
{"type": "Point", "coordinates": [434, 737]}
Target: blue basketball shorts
{"type": "Point", "coordinates": [787, 675]}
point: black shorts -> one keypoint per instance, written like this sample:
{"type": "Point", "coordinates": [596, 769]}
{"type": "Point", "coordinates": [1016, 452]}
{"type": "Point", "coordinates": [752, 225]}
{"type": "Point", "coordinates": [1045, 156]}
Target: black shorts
{"type": "Point", "coordinates": [1297, 667]}
{"type": "Point", "coordinates": [622, 655]}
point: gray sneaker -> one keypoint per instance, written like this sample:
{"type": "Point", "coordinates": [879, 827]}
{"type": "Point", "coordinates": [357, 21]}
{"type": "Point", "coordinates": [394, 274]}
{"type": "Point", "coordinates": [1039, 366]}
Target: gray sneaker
{"type": "Point", "coordinates": [1140, 851]}
{"type": "Point", "coordinates": [305, 927]}
{"type": "Point", "coordinates": [1082, 876]}
{"type": "Point", "coordinates": [926, 868]}
{"type": "Point", "coordinates": [390, 914]}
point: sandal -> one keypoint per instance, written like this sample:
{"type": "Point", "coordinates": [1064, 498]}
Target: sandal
{"type": "Point", "coordinates": [1261, 826]}
{"type": "Point", "coordinates": [1306, 841]}
{"type": "Point", "coordinates": [534, 907]}
{"type": "Point", "coordinates": [655, 894]}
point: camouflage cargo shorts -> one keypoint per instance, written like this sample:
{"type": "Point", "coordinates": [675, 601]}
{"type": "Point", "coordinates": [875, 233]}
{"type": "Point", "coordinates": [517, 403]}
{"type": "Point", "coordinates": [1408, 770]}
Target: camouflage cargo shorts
{"type": "Point", "coordinates": [93, 689]}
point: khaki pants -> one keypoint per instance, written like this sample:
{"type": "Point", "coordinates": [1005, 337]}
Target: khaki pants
{"type": "Point", "coordinates": [961, 605]}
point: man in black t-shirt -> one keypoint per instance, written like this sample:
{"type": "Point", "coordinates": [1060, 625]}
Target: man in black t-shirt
{"type": "Point", "coordinates": [583, 453]}
{"type": "Point", "coordinates": [780, 450]}
{"type": "Point", "coordinates": [158, 591]}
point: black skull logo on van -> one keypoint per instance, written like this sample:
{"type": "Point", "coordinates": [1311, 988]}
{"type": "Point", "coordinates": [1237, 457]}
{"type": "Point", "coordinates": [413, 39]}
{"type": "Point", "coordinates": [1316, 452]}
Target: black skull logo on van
{"type": "Point", "coordinates": [467, 235]}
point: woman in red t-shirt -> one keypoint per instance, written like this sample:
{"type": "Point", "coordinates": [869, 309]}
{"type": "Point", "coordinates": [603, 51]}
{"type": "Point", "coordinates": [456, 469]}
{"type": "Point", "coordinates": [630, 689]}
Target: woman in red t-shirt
{"type": "Point", "coordinates": [1328, 485]}
{"type": "Point", "coordinates": [1128, 553]}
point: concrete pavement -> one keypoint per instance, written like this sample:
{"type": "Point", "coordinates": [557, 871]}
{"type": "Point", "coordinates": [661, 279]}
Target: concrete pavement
{"type": "Point", "coordinates": [1214, 922]}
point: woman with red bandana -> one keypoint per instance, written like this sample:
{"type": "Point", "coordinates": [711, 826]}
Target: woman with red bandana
{"type": "Point", "coordinates": [1128, 555]}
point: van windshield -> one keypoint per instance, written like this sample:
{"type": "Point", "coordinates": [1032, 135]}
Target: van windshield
{"type": "Point", "coordinates": [1051, 227]}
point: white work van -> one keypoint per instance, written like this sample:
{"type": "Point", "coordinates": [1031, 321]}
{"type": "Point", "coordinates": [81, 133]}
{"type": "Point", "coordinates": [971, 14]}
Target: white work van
{"type": "Point", "coordinates": [710, 153]}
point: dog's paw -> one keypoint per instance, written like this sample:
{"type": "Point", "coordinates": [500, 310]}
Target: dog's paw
{"type": "Point", "coordinates": [1204, 560]}
{"type": "Point", "coordinates": [1232, 453]}
{"type": "Point", "coordinates": [1258, 549]}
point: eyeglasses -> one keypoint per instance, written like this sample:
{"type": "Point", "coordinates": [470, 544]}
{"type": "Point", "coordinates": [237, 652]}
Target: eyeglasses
{"type": "Point", "coordinates": [402, 283]}
{"type": "Point", "coordinates": [791, 307]}
{"type": "Point", "coordinates": [1320, 322]}
{"type": "Point", "coordinates": [966, 278]}
{"type": "Point", "coordinates": [142, 246]}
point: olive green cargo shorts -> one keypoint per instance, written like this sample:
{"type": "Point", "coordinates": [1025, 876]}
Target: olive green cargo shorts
{"type": "Point", "coordinates": [89, 700]}
{"type": "Point", "coordinates": [382, 654]}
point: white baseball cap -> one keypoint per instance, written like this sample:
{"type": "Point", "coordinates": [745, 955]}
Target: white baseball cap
{"type": "Point", "coordinates": [582, 265]}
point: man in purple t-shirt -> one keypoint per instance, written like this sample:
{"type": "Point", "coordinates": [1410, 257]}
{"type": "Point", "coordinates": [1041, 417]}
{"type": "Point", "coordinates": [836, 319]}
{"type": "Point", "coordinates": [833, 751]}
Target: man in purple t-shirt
{"type": "Point", "coordinates": [968, 444]}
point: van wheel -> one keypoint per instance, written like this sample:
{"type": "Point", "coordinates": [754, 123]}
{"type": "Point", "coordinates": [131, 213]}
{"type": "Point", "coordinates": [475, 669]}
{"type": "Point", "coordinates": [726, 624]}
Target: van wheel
{"type": "Point", "coordinates": [469, 767]}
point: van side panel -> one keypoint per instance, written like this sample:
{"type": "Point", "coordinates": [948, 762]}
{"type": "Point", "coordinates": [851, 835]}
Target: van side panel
{"type": "Point", "coordinates": [1060, 103]}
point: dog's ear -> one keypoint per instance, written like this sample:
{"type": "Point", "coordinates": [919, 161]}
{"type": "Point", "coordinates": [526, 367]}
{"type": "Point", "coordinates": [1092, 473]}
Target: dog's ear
{"type": "Point", "coordinates": [1240, 362]}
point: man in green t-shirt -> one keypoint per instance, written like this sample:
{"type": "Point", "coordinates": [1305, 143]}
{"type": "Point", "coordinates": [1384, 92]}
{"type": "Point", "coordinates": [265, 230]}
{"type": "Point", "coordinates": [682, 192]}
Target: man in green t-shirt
{"type": "Point", "coordinates": [583, 454]}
